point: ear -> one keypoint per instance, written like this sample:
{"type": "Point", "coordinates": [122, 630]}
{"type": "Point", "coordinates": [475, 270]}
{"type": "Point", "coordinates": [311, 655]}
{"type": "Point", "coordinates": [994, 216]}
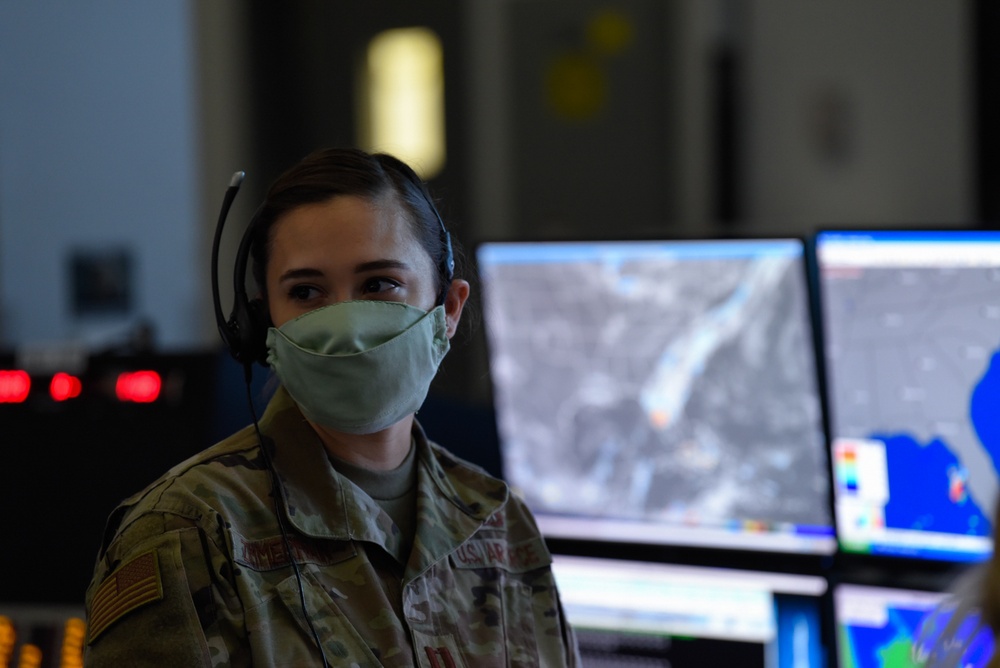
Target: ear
{"type": "Point", "coordinates": [454, 302]}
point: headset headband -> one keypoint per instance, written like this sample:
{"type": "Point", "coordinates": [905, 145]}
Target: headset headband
{"type": "Point", "coordinates": [245, 331]}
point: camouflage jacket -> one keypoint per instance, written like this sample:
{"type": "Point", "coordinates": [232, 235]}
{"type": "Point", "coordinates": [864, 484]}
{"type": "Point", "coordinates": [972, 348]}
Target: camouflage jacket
{"type": "Point", "coordinates": [195, 570]}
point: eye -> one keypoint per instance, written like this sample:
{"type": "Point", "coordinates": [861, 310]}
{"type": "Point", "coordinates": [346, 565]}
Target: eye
{"type": "Point", "coordinates": [378, 285]}
{"type": "Point", "coordinates": [303, 293]}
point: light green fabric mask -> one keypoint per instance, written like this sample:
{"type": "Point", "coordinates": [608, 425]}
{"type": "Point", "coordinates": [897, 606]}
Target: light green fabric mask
{"type": "Point", "coordinates": [359, 366]}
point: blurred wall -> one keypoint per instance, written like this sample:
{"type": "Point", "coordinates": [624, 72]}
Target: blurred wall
{"type": "Point", "coordinates": [98, 153]}
{"type": "Point", "coordinates": [591, 118]}
{"type": "Point", "coordinates": [120, 124]}
{"type": "Point", "coordinates": [226, 140]}
{"type": "Point", "coordinates": [856, 112]}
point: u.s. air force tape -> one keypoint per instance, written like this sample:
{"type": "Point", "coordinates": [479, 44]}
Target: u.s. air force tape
{"type": "Point", "coordinates": [132, 585]}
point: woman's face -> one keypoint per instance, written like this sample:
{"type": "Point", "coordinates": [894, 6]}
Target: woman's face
{"type": "Point", "coordinates": [346, 248]}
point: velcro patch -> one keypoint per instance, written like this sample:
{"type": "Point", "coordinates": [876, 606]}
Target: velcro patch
{"type": "Point", "coordinates": [491, 553]}
{"type": "Point", "coordinates": [270, 553]}
{"type": "Point", "coordinates": [131, 586]}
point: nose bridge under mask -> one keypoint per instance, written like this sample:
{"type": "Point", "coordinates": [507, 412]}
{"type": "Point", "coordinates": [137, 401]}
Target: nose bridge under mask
{"type": "Point", "coordinates": [351, 326]}
{"type": "Point", "coordinates": [360, 366]}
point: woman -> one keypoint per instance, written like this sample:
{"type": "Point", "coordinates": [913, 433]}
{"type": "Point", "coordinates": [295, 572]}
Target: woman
{"type": "Point", "coordinates": [337, 534]}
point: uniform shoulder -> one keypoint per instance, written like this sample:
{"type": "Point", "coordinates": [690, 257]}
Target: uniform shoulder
{"type": "Point", "coordinates": [465, 475]}
{"type": "Point", "coordinates": [513, 513]}
{"type": "Point", "coordinates": [200, 484]}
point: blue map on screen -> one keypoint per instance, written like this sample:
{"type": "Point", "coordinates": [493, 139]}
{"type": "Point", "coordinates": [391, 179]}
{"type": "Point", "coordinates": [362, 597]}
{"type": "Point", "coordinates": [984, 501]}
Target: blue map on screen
{"type": "Point", "coordinates": [910, 635]}
{"type": "Point", "coordinates": [882, 646]}
{"type": "Point", "coordinates": [929, 488]}
{"type": "Point", "coordinates": [911, 323]}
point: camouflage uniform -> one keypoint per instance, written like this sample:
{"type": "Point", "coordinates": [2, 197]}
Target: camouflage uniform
{"type": "Point", "coordinates": [195, 571]}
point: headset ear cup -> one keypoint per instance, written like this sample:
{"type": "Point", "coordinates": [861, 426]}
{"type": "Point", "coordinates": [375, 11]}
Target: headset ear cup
{"type": "Point", "coordinates": [238, 326]}
{"type": "Point", "coordinates": [247, 331]}
{"type": "Point", "coordinates": [256, 333]}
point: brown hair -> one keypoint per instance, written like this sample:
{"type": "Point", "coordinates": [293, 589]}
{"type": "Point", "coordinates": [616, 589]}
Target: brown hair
{"type": "Point", "coordinates": [328, 173]}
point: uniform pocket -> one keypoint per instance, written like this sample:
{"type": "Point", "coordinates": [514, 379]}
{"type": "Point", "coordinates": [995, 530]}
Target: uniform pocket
{"type": "Point", "coordinates": [519, 623]}
{"type": "Point", "coordinates": [490, 612]}
{"type": "Point", "coordinates": [281, 631]}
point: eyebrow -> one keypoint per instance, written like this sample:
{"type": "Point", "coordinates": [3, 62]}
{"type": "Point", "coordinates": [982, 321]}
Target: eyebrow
{"type": "Point", "coordinates": [300, 273]}
{"type": "Point", "coordinates": [376, 265]}
{"type": "Point", "coordinates": [364, 267]}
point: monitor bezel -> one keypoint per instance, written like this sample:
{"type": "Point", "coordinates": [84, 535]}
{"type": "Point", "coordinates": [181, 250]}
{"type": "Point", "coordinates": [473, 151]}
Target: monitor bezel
{"type": "Point", "coordinates": [857, 561]}
{"type": "Point", "coordinates": [764, 557]}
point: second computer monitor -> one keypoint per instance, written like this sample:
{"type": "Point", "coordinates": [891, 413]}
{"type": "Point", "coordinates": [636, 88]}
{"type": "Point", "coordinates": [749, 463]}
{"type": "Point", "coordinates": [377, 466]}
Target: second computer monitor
{"type": "Point", "coordinates": [911, 336]}
{"type": "Point", "coordinates": [660, 392]}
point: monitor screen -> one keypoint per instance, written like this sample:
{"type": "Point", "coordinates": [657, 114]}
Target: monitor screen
{"type": "Point", "coordinates": [882, 627]}
{"type": "Point", "coordinates": [911, 325]}
{"type": "Point", "coordinates": [660, 392]}
{"type": "Point", "coordinates": [682, 616]}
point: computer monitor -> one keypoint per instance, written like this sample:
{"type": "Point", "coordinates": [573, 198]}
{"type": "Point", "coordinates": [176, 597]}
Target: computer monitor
{"type": "Point", "coordinates": [628, 612]}
{"type": "Point", "coordinates": [911, 329]}
{"type": "Point", "coordinates": [660, 392]}
{"type": "Point", "coordinates": [882, 627]}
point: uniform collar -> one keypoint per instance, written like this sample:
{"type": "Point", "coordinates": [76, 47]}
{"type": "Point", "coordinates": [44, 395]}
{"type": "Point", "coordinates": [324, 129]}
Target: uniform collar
{"type": "Point", "coordinates": [453, 499]}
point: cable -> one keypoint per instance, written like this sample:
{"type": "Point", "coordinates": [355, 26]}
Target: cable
{"type": "Point", "coordinates": [276, 491]}
{"type": "Point", "coordinates": [231, 335]}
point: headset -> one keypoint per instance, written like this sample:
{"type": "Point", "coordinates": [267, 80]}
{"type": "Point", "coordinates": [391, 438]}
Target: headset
{"type": "Point", "coordinates": [245, 331]}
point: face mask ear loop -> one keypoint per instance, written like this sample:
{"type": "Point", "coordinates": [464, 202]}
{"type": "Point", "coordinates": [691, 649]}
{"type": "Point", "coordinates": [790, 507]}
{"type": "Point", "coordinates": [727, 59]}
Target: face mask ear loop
{"type": "Point", "coordinates": [278, 491]}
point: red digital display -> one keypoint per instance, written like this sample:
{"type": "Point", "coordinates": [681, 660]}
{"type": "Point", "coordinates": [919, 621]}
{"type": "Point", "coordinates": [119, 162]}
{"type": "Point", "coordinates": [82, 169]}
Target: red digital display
{"type": "Point", "coordinates": [141, 387]}
{"type": "Point", "coordinates": [14, 386]}
{"type": "Point", "coordinates": [64, 386]}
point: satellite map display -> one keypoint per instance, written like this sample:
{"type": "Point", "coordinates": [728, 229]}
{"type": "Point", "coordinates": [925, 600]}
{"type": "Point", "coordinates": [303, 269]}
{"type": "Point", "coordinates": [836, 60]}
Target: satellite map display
{"type": "Point", "coordinates": [898, 628]}
{"type": "Point", "coordinates": [659, 391]}
{"type": "Point", "coordinates": [912, 335]}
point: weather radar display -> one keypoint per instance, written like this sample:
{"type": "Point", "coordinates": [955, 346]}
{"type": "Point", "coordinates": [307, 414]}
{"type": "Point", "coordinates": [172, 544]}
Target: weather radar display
{"type": "Point", "coordinates": [660, 392]}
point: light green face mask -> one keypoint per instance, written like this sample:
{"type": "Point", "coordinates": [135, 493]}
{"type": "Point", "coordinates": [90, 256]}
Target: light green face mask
{"type": "Point", "coordinates": [359, 366]}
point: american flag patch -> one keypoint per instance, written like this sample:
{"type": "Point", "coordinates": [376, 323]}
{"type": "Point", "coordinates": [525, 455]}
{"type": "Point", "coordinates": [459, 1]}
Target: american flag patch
{"type": "Point", "coordinates": [132, 585]}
